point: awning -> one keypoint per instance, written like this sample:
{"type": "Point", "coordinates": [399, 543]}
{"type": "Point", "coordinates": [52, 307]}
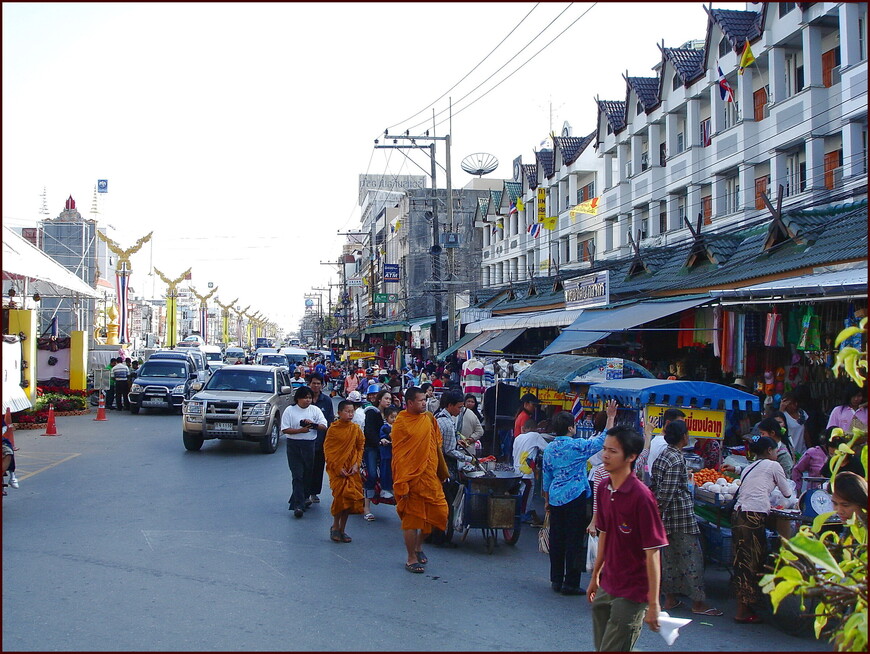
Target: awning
{"type": "Point", "coordinates": [20, 257]}
{"type": "Point", "coordinates": [457, 346]}
{"type": "Point", "coordinates": [387, 327]}
{"type": "Point", "coordinates": [836, 284]}
{"type": "Point", "coordinates": [596, 324]}
{"type": "Point", "coordinates": [479, 339]}
{"type": "Point", "coordinates": [557, 371]}
{"type": "Point", "coordinates": [556, 318]}
{"type": "Point", "coordinates": [638, 392]}
{"type": "Point", "coordinates": [500, 341]}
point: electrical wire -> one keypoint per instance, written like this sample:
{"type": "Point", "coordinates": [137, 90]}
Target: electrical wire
{"type": "Point", "coordinates": [412, 116]}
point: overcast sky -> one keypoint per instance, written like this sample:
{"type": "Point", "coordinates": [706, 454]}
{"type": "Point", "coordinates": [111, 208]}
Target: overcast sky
{"type": "Point", "coordinates": [237, 132]}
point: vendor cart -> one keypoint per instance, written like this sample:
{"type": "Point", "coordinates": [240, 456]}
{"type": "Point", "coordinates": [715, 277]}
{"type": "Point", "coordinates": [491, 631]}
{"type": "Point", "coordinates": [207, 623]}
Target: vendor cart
{"type": "Point", "coordinates": [490, 501]}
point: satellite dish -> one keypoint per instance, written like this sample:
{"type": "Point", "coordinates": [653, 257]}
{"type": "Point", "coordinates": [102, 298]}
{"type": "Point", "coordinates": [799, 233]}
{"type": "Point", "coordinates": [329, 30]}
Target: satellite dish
{"type": "Point", "coordinates": [479, 163]}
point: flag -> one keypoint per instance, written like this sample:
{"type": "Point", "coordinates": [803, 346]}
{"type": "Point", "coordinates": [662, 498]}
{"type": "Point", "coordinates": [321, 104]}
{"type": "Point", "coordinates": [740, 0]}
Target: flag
{"type": "Point", "coordinates": [513, 209]}
{"type": "Point", "coordinates": [725, 89]}
{"type": "Point", "coordinates": [550, 222]}
{"type": "Point", "coordinates": [498, 224]}
{"type": "Point", "coordinates": [534, 230]}
{"type": "Point", "coordinates": [521, 206]}
{"type": "Point", "coordinates": [589, 206]}
{"type": "Point", "coordinates": [577, 408]}
{"type": "Point", "coordinates": [745, 59]}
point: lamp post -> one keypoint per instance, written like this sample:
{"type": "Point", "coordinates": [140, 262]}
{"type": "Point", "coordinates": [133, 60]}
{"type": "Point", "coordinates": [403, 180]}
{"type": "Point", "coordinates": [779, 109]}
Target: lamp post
{"type": "Point", "coordinates": [122, 273]}
{"type": "Point", "coordinates": [171, 300]}
{"type": "Point", "coordinates": [203, 310]}
{"type": "Point", "coordinates": [225, 319]}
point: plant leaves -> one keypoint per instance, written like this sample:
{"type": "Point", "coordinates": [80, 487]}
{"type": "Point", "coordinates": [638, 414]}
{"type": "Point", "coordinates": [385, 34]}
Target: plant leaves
{"type": "Point", "coordinates": [783, 589]}
{"type": "Point", "coordinates": [787, 572]}
{"type": "Point", "coordinates": [815, 551]}
{"type": "Point", "coordinates": [821, 519]}
{"type": "Point", "coordinates": [847, 333]}
{"type": "Point", "coordinates": [821, 621]}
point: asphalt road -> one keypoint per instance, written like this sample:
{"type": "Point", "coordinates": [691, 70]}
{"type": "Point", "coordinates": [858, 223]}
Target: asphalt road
{"type": "Point", "coordinates": [120, 540]}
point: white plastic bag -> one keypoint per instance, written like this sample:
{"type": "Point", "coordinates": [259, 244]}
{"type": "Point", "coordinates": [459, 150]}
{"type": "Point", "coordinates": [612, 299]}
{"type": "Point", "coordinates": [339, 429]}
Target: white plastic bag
{"type": "Point", "coordinates": [591, 553]}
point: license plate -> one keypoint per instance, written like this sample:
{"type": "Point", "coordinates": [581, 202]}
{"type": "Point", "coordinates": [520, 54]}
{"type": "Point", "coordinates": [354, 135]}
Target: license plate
{"type": "Point", "coordinates": [153, 403]}
{"type": "Point", "coordinates": [224, 426]}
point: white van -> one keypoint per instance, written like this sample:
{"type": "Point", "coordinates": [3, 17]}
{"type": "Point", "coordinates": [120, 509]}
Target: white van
{"type": "Point", "coordinates": [233, 355]}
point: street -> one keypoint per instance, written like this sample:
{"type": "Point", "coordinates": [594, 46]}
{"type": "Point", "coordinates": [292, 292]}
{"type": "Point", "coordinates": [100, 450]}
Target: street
{"type": "Point", "coordinates": [119, 539]}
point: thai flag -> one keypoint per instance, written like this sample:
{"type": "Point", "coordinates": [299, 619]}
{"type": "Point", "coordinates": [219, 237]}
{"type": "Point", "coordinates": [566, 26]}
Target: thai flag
{"type": "Point", "coordinates": [577, 409]}
{"type": "Point", "coordinates": [121, 290]}
{"type": "Point", "coordinates": [535, 230]}
{"type": "Point", "coordinates": [513, 209]}
{"type": "Point", "coordinates": [725, 89]}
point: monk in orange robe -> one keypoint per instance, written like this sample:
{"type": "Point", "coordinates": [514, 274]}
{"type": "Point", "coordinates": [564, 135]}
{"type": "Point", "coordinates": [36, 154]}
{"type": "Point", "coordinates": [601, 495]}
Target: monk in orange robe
{"type": "Point", "coordinates": [419, 495]}
{"type": "Point", "coordinates": [343, 452]}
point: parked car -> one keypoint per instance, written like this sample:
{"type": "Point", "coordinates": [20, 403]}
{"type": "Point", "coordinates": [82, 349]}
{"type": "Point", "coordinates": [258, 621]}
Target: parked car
{"type": "Point", "coordinates": [193, 354]}
{"type": "Point", "coordinates": [239, 402]}
{"type": "Point", "coordinates": [162, 384]}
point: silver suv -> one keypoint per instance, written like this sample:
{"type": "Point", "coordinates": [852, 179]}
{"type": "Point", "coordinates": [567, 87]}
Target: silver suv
{"type": "Point", "coordinates": [238, 403]}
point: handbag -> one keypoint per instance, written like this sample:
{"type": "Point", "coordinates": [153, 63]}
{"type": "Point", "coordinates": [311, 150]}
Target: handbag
{"type": "Point", "coordinates": [544, 535]}
{"type": "Point", "coordinates": [810, 338]}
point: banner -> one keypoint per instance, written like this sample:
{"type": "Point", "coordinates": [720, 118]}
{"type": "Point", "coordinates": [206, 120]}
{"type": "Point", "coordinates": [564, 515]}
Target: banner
{"type": "Point", "coordinates": [542, 204]}
{"type": "Point", "coordinates": [171, 326]}
{"type": "Point", "coordinates": [121, 285]}
{"type": "Point", "coordinates": [588, 291]}
{"type": "Point", "coordinates": [226, 326]}
{"type": "Point", "coordinates": [391, 272]}
{"type": "Point", "coordinates": [701, 423]}
{"type": "Point", "coordinates": [589, 207]}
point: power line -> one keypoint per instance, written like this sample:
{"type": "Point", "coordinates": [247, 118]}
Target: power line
{"type": "Point", "coordinates": [412, 116]}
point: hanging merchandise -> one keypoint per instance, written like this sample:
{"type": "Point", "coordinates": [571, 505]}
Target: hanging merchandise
{"type": "Point", "coordinates": [851, 321]}
{"type": "Point", "coordinates": [810, 340]}
{"type": "Point", "coordinates": [717, 325]}
{"type": "Point", "coordinates": [739, 343]}
{"type": "Point", "coordinates": [773, 330]}
{"type": "Point", "coordinates": [686, 335]}
{"type": "Point", "coordinates": [703, 324]}
{"type": "Point", "coordinates": [793, 330]}
{"type": "Point", "coordinates": [727, 349]}
{"type": "Point", "coordinates": [754, 334]}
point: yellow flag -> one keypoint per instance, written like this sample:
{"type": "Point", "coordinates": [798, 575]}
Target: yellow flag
{"type": "Point", "coordinates": [589, 206]}
{"type": "Point", "coordinates": [745, 59]}
{"type": "Point", "coordinates": [521, 206]}
{"type": "Point", "coordinates": [551, 222]}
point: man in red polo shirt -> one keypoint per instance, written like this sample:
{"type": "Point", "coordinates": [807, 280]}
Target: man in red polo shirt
{"type": "Point", "coordinates": [624, 589]}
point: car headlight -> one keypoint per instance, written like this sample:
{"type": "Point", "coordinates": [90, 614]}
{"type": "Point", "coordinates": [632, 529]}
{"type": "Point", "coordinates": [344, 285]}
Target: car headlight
{"type": "Point", "coordinates": [135, 388]}
{"type": "Point", "coordinates": [259, 409]}
{"type": "Point", "coordinates": [178, 390]}
{"type": "Point", "coordinates": [193, 408]}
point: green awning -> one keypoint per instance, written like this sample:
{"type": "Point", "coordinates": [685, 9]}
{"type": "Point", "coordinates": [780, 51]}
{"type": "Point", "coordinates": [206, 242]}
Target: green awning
{"type": "Point", "coordinates": [387, 328]}
{"type": "Point", "coordinates": [456, 346]}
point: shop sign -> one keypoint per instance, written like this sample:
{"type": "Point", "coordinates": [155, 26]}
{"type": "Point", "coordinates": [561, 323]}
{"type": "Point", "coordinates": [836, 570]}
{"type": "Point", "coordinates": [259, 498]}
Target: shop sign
{"type": "Point", "coordinates": [391, 272]}
{"type": "Point", "coordinates": [385, 298]}
{"type": "Point", "coordinates": [542, 204]}
{"type": "Point", "coordinates": [701, 423]}
{"type": "Point", "coordinates": [551, 397]}
{"type": "Point", "coordinates": [354, 281]}
{"type": "Point", "coordinates": [588, 291]}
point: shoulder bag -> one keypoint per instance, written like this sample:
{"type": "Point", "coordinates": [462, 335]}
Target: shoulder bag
{"type": "Point", "coordinates": [732, 505]}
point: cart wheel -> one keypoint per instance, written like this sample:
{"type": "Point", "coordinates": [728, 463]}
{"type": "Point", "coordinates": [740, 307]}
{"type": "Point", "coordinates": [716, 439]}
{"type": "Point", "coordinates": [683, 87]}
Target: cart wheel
{"type": "Point", "coordinates": [511, 536]}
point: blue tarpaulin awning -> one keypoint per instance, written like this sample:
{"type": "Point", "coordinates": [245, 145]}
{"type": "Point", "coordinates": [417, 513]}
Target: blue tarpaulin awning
{"type": "Point", "coordinates": [682, 393]}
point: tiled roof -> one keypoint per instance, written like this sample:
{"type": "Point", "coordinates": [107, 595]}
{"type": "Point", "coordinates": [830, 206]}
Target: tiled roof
{"type": "Point", "coordinates": [495, 200]}
{"type": "Point", "coordinates": [738, 25]}
{"type": "Point", "coordinates": [531, 173]}
{"type": "Point", "coordinates": [547, 160]}
{"type": "Point", "coordinates": [573, 146]}
{"type": "Point", "coordinates": [615, 112]}
{"type": "Point", "coordinates": [647, 89]}
{"type": "Point", "coordinates": [514, 190]}
{"type": "Point", "coordinates": [689, 63]}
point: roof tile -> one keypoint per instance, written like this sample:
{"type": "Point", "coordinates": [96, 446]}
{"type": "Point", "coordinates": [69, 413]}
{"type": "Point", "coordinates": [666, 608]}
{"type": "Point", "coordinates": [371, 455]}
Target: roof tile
{"type": "Point", "coordinates": [615, 112]}
{"type": "Point", "coordinates": [647, 89]}
{"type": "Point", "coordinates": [573, 146]}
{"type": "Point", "coordinates": [689, 63]}
{"type": "Point", "coordinates": [738, 25]}
{"type": "Point", "coordinates": [547, 160]}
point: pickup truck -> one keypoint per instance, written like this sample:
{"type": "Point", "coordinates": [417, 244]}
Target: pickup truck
{"type": "Point", "coordinates": [238, 402]}
{"type": "Point", "coordinates": [162, 384]}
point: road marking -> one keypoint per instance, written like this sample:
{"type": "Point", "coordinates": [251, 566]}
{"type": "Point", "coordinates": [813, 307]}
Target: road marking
{"type": "Point", "coordinates": [36, 459]}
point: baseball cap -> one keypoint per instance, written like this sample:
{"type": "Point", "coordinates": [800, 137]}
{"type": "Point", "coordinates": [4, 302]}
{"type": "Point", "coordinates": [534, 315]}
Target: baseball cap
{"type": "Point", "coordinates": [373, 388]}
{"type": "Point", "coordinates": [354, 396]}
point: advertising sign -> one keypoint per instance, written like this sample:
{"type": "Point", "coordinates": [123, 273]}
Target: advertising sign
{"type": "Point", "coordinates": [385, 298]}
{"type": "Point", "coordinates": [702, 423]}
{"type": "Point", "coordinates": [102, 186]}
{"type": "Point", "coordinates": [588, 291]}
{"type": "Point", "coordinates": [354, 281]}
{"type": "Point", "coordinates": [551, 397]}
{"type": "Point", "coordinates": [391, 272]}
{"type": "Point", "coordinates": [542, 204]}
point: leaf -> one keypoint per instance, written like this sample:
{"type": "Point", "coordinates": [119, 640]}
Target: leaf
{"type": "Point", "coordinates": [815, 551]}
{"type": "Point", "coordinates": [783, 589]}
{"type": "Point", "coordinates": [847, 333]}
{"type": "Point", "coordinates": [787, 572]}
{"type": "Point", "coordinates": [864, 460]}
{"type": "Point", "coordinates": [821, 519]}
{"type": "Point", "coordinates": [787, 555]}
{"type": "Point", "coordinates": [821, 621]}
{"type": "Point", "coordinates": [845, 449]}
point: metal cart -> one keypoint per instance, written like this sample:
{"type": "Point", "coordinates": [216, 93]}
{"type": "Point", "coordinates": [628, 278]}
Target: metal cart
{"type": "Point", "coordinates": [491, 503]}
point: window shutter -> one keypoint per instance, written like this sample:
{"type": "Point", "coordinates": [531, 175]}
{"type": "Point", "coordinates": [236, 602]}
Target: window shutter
{"type": "Point", "coordinates": [707, 208]}
{"type": "Point", "coordinates": [829, 62]}
{"type": "Point", "coordinates": [760, 187]}
{"type": "Point", "coordinates": [760, 101]}
{"type": "Point", "coordinates": [832, 162]}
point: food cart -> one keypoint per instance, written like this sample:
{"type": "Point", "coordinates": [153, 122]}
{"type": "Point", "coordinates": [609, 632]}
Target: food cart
{"type": "Point", "coordinates": [491, 503]}
{"type": "Point", "coordinates": [705, 405]}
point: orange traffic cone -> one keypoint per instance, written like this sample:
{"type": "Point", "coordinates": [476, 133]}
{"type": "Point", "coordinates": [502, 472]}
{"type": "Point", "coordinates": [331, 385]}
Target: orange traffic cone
{"type": "Point", "coordinates": [101, 409]}
{"type": "Point", "coordinates": [10, 433]}
{"type": "Point", "coordinates": [51, 427]}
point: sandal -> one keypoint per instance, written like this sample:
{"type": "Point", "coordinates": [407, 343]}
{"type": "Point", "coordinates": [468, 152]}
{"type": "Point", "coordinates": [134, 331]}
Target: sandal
{"type": "Point", "coordinates": [369, 516]}
{"type": "Point", "coordinates": [711, 612]}
{"type": "Point", "coordinates": [345, 538]}
{"type": "Point", "coordinates": [335, 535]}
{"type": "Point", "coordinates": [422, 559]}
{"type": "Point", "coordinates": [414, 567]}
{"type": "Point", "coordinates": [675, 606]}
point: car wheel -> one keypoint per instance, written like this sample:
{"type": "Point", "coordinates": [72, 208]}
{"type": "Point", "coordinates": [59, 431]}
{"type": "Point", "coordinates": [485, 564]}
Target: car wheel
{"type": "Point", "coordinates": [270, 440]}
{"type": "Point", "coordinates": [192, 442]}
{"type": "Point", "coordinates": [134, 409]}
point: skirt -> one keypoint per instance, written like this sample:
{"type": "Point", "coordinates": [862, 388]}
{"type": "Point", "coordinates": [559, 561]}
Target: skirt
{"type": "Point", "coordinates": [683, 567]}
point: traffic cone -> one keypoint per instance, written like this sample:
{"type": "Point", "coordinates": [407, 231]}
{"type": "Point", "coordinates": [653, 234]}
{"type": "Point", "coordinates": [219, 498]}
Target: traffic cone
{"type": "Point", "coordinates": [10, 433]}
{"type": "Point", "coordinates": [51, 427]}
{"type": "Point", "coordinates": [101, 409]}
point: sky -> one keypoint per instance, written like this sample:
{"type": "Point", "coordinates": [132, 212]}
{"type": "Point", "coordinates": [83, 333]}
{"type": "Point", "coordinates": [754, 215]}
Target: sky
{"type": "Point", "coordinates": [237, 132]}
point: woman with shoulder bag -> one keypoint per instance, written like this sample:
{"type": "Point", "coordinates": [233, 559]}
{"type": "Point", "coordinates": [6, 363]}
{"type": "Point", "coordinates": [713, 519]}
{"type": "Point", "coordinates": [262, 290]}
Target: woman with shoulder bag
{"type": "Point", "coordinates": [751, 507]}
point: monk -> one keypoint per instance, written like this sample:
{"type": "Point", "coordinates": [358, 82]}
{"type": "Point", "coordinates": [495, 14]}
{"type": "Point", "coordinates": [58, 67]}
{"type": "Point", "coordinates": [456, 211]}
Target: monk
{"type": "Point", "coordinates": [419, 495]}
{"type": "Point", "coordinates": [343, 452]}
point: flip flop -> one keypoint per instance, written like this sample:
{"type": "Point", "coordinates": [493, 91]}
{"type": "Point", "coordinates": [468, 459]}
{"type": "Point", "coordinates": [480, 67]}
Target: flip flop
{"type": "Point", "coordinates": [335, 535]}
{"type": "Point", "coordinates": [421, 557]}
{"type": "Point", "coordinates": [415, 567]}
{"type": "Point", "coordinates": [711, 612]}
{"type": "Point", "coordinates": [675, 606]}
{"type": "Point", "coordinates": [345, 538]}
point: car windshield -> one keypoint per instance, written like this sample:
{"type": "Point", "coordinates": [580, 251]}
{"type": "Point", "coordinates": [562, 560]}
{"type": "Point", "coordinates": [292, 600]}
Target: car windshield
{"type": "Point", "coordinates": [230, 379]}
{"type": "Point", "coordinates": [173, 369]}
{"type": "Point", "coordinates": [213, 356]}
{"type": "Point", "coordinates": [274, 360]}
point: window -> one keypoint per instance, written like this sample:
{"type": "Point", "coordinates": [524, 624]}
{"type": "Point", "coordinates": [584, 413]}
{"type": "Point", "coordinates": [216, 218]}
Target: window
{"type": "Point", "coordinates": [706, 135]}
{"type": "Point", "coordinates": [862, 40]}
{"type": "Point", "coordinates": [731, 114]}
{"type": "Point", "coordinates": [795, 174]}
{"type": "Point", "coordinates": [833, 169]}
{"type": "Point", "coordinates": [681, 209]}
{"type": "Point", "coordinates": [644, 160]}
{"type": "Point", "coordinates": [676, 81]}
{"type": "Point", "coordinates": [565, 250]}
{"type": "Point", "coordinates": [830, 72]}
{"type": "Point", "coordinates": [628, 169]}
{"type": "Point", "coordinates": [638, 108]}
{"type": "Point", "coordinates": [680, 142]}
{"type": "Point", "coordinates": [794, 75]}
{"type": "Point", "coordinates": [732, 194]}
{"type": "Point", "coordinates": [759, 101]}
{"type": "Point", "coordinates": [585, 250]}
{"type": "Point", "coordinates": [761, 184]}
{"type": "Point", "coordinates": [785, 7]}
{"type": "Point", "coordinates": [586, 193]}
{"type": "Point", "coordinates": [707, 209]}
{"type": "Point", "coordinates": [724, 46]}
{"type": "Point", "coordinates": [864, 148]}
{"type": "Point", "coordinates": [663, 154]}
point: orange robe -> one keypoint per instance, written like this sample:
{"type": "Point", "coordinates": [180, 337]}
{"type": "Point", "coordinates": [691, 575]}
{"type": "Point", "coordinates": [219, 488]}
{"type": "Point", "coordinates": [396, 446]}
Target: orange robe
{"type": "Point", "coordinates": [343, 448]}
{"type": "Point", "coordinates": [419, 495]}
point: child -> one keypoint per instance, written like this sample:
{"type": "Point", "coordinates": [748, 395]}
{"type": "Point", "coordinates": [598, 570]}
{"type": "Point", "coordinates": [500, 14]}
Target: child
{"type": "Point", "coordinates": [526, 448]}
{"type": "Point", "coordinates": [343, 451]}
{"type": "Point", "coordinates": [385, 450]}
